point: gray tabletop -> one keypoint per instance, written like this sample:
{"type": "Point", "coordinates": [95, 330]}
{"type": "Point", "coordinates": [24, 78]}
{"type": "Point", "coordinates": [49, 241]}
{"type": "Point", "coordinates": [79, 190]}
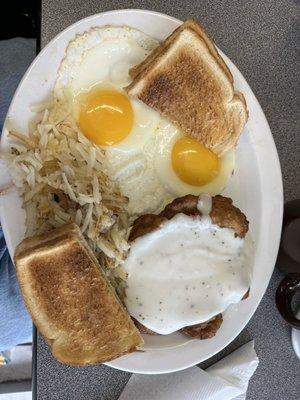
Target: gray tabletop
{"type": "Point", "coordinates": [260, 38]}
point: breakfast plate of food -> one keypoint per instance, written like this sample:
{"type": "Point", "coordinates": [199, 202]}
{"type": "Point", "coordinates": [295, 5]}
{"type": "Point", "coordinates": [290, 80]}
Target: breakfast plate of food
{"type": "Point", "coordinates": [141, 193]}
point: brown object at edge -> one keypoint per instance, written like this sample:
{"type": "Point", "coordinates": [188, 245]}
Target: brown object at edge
{"type": "Point", "coordinates": [206, 330]}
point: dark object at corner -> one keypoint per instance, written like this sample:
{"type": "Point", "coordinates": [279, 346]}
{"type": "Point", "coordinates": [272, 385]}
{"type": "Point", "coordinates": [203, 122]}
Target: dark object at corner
{"type": "Point", "coordinates": [285, 293]}
{"type": "Point", "coordinates": [20, 18]}
{"type": "Point", "coordinates": [288, 261]}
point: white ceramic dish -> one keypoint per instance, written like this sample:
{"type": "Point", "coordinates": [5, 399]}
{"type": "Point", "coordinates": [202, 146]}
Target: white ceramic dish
{"type": "Point", "coordinates": [256, 188]}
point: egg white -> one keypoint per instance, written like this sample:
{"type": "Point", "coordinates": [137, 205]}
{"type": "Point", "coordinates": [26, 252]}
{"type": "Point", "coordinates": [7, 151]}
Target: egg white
{"type": "Point", "coordinates": [131, 164]}
{"type": "Point", "coordinates": [101, 55]}
{"type": "Point", "coordinates": [145, 123]}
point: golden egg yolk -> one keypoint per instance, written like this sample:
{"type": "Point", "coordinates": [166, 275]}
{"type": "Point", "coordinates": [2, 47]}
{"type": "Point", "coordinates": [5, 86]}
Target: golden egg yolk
{"type": "Point", "coordinates": [193, 163]}
{"type": "Point", "coordinates": [105, 116]}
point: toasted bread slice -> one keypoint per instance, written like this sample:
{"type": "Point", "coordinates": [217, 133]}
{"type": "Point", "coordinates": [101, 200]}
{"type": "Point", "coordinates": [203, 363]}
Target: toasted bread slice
{"type": "Point", "coordinates": [186, 80]}
{"type": "Point", "coordinates": [70, 300]}
{"type": "Point", "coordinates": [188, 24]}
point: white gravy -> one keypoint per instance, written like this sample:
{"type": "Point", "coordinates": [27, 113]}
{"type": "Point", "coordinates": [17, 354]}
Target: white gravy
{"type": "Point", "coordinates": [185, 272]}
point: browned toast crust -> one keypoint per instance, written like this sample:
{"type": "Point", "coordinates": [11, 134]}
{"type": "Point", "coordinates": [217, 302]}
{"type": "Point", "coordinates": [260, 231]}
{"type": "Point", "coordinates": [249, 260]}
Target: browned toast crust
{"type": "Point", "coordinates": [188, 24]}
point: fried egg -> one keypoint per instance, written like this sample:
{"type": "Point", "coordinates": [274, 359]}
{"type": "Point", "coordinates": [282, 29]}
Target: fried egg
{"type": "Point", "coordinates": [91, 80]}
{"type": "Point", "coordinates": [152, 161]}
{"type": "Point", "coordinates": [185, 166]}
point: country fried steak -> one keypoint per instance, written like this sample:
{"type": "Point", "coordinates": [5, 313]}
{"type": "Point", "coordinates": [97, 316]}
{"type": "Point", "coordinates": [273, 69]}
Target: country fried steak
{"type": "Point", "coordinates": [223, 214]}
{"type": "Point", "coordinates": [142, 328]}
{"type": "Point", "coordinates": [206, 330]}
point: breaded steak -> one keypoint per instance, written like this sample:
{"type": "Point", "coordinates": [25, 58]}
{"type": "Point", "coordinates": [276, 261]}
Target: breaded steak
{"type": "Point", "coordinates": [223, 213]}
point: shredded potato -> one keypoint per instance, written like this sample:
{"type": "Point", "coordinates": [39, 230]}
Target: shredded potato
{"type": "Point", "coordinates": [61, 177]}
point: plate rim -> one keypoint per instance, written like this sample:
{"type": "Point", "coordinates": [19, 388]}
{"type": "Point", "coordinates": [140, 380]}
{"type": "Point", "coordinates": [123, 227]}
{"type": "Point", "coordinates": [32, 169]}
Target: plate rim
{"type": "Point", "coordinates": [275, 161]}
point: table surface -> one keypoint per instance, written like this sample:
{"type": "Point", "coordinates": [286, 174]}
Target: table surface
{"type": "Point", "coordinates": [260, 38]}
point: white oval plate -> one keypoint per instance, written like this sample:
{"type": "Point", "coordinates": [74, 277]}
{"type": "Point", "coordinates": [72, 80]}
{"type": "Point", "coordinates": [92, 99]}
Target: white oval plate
{"type": "Point", "coordinates": [256, 188]}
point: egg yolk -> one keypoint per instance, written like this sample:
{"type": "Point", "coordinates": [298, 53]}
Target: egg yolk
{"type": "Point", "coordinates": [193, 163]}
{"type": "Point", "coordinates": [105, 116]}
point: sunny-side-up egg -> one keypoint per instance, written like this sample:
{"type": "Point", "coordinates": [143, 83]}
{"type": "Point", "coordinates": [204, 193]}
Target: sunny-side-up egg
{"type": "Point", "coordinates": [185, 166]}
{"type": "Point", "coordinates": [151, 160]}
